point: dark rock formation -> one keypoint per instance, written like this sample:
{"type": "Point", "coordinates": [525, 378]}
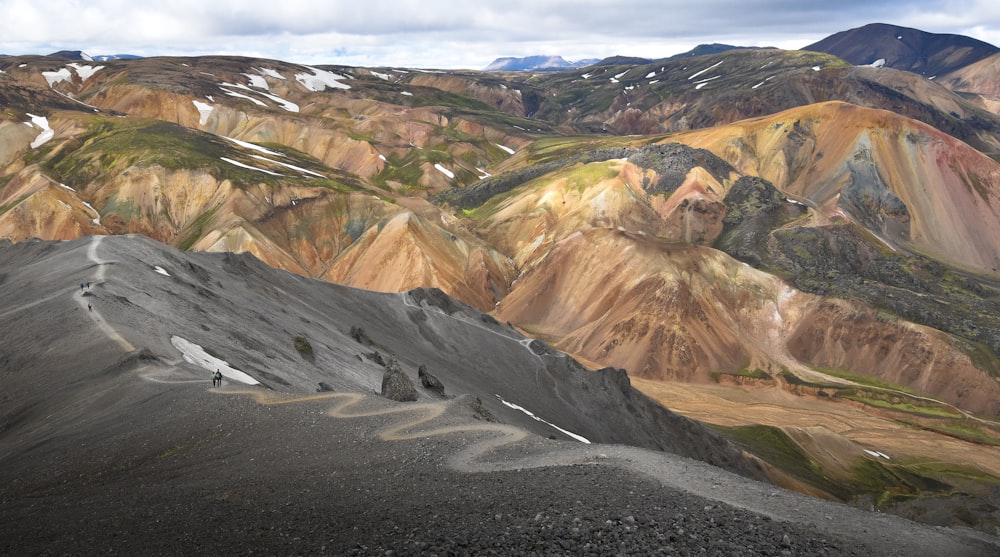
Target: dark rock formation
{"type": "Point", "coordinates": [396, 385]}
{"type": "Point", "coordinates": [429, 382]}
{"type": "Point", "coordinates": [324, 387]}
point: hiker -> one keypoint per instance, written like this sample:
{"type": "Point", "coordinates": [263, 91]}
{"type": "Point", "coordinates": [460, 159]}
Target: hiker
{"type": "Point", "coordinates": [215, 378]}
{"type": "Point", "coordinates": [218, 375]}
{"type": "Point", "coordinates": [90, 307]}
{"type": "Point", "coordinates": [88, 285]}
{"type": "Point", "coordinates": [81, 287]}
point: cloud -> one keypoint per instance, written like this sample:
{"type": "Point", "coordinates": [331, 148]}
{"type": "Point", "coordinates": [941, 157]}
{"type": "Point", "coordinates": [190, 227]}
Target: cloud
{"type": "Point", "coordinates": [448, 34]}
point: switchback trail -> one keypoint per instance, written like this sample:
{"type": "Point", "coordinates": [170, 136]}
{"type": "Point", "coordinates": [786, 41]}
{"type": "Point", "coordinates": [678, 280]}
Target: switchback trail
{"type": "Point", "coordinates": [494, 447]}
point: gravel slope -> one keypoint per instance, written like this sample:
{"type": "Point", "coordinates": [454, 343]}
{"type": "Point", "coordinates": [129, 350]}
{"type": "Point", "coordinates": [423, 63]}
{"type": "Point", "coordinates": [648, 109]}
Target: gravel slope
{"type": "Point", "coordinates": [112, 444]}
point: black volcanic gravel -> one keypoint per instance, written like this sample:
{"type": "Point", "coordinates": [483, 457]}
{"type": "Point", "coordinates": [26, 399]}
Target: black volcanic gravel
{"type": "Point", "coordinates": [226, 476]}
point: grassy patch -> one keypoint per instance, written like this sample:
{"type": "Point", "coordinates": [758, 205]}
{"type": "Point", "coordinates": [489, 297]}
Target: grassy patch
{"type": "Point", "coordinates": [861, 379]}
{"type": "Point", "coordinates": [775, 447]}
{"type": "Point", "coordinates": [755, 373]}
{"type": "Point", "coordinates": [793, 379]}
{"type": "Point", "coordinates": [898, 404]}
{"type": "Point", "coordinates": [964, 430]}
{"type": "Point", "coordinates": [195, 230]}
{"type": "Point", "coordinates": [303, 346]}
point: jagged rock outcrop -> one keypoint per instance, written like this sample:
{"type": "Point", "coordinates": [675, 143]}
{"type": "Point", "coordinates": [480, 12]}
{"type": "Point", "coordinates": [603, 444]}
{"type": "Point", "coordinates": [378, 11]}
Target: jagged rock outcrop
{"type": "Point", "coordinates": [396, 385]}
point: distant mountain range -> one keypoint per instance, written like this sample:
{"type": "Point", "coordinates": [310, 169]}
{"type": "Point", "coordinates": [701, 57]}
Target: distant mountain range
{"type": "Point", "coordinates": [555, 63]}
{"type": "Point", "coordinates": [879, 44]}
{"type": "Point", "coordinates": [81, 55]}
{"type": "Point", "coordinates": [536, 63]}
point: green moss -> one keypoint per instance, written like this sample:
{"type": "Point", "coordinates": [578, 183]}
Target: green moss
{"type": "Point", "coordinates": [303, 346]}
{"type": "Point", "coordinates": [775, 447]}
{"type": "Point", "coordinates": [793, 379]}
{"type": "Point", "coordinates": [8, 206]}
{"type": "Point", "coordinates": [195, 230]}
{"type": "Point", "coordinates": [755, 373]}
{"type": "Point", "coordinates": [901, 405]}
{"type": "Point", "coordinates": [861, 379]}
{"type": "Point", "coordinates": [125, 208]}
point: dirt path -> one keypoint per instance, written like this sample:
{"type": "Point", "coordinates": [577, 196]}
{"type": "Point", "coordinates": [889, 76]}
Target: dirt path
{"type": "Point", "coordinates": [88, 303]}
{"type": "Point", "coordinates": [492, 447]}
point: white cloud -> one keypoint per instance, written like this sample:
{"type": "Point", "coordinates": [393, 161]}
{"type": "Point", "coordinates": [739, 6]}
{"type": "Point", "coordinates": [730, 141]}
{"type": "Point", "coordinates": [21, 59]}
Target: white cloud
{"type": "Point", "coordinates": [445, 34]}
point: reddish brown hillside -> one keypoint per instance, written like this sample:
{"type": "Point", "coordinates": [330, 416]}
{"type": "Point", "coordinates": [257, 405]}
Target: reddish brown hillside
{"type": "Point", "coordinates": [907, 182]}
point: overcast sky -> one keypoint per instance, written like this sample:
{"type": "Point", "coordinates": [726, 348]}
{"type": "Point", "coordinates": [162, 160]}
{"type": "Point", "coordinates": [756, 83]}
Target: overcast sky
{"type": "Point", "coordinates": [457, 34]}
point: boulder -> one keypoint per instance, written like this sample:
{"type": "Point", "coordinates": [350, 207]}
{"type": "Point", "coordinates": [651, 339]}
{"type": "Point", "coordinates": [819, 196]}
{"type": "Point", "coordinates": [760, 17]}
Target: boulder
{"type": "Point", "coordinates": [396, 385]}
{"type": "Point", "coordinates": [429, 382]}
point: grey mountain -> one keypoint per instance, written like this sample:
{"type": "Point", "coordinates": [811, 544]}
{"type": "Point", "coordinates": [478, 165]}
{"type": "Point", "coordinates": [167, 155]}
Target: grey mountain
{"type": "Point", "coordinates": [112, 438]}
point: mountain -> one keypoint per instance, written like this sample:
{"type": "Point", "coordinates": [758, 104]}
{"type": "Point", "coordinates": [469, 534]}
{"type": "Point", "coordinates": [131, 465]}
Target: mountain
{"type": "Point", "coordinates": [700, 92]}
{"type": "Point", "coordinates": [535, 63]}
{"type": "Point", "coordinates": [713, 48]}
{"type": "Point", "coordinates": [903, 48]}
{"type": "Point", "coordinates": [72, 55]}
{"type": "Point", "coordinates": [797, 251]}
{"type": "Point", "coordinates": [107, 399]}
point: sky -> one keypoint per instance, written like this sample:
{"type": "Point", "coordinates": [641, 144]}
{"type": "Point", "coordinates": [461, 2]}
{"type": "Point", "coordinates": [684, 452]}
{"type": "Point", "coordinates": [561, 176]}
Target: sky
{"type": "Point", "coordinates": [451, 34]}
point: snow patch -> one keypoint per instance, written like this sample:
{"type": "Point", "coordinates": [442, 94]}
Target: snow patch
{"type": "Point", "coordinates": [704, 82]}
{"type": "Point", "coordinates": [47, 132]}
{"type": "Point", "coordinates": [817, 68]}
{"type": "Point", "coordinates": [270, 73]}
{"type": "Point", "coordinates": [878, 454]}
{"type": "Point", "coordinates": [257, 81]}
{"type": "Point", "coordinates": [381, 156]}
{"type": "Point", "coordinates": [161, 270]}
{"type": "Point", "coordinates": [85, 71]}
{"type": "Point", "coordinates": [63, 74]}
{"type": "Point", "coordinates": [531, 415]}
{"type": "Point", "coordinates": [286, 104]}
{"type": "Point", "coordinates": [290, 166]}
{"type": "Point", "coordinates": [384, 76]}
{"type": "Point", "coordinates": [715, 65]}
{"type": "Point", "coordinates": [407, 93]}
{"type": "Point", "coordinates": [204, 111]}
{"type": "Point", "coordinates": [320, 80]}
{"type": "Point", "coordinates": [587, 75]}
{"type": "Point", "coordinates": [254, 146]}
{"type": "Point", "coordinates": [97, 216]}
{"type": "Point", "coordinates": [507, 149]}
{"type": "Point", "coordinates": [878, 63]}
{"type": "Point", "coordinates": [444, 170]}
{"type": "Point", "coordinates": [650, 74]}
{"type": "Point", "coordinates": [67, 187]}
{"type": "Point", "coordinates": [195, 354]}
{"type": "Point", "coordinates": [247, 166]}
{"type": "Point", "coordinates": [242, 96]}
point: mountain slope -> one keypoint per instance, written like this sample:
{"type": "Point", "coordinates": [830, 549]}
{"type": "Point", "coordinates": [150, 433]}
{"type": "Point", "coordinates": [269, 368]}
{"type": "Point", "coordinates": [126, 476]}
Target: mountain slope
{"type": "Point", "coordinates": [119, 403]}
{"type": "Point", "coordinates": [903, 48]}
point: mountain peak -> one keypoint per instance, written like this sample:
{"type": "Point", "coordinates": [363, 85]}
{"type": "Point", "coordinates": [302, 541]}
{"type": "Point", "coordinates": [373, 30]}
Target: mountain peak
{"type": "Point", "coordinates": [903, 48]}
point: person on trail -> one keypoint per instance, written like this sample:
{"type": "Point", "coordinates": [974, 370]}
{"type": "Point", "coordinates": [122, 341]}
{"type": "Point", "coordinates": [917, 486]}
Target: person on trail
{"type": "Point", "coordinates": [218, 375]}
{"type": "Point", "coordinates": [215, 378]}
{"type": "Point", "coordinates": [81, 287]}
{"type": "Point", "coordinates": [88, 286]}
{"type": "Point", "coordinates": [90, 307]}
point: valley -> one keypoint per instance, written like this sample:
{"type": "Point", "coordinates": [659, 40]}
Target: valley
{"type": "Point", "coordinates": [781, 263]}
